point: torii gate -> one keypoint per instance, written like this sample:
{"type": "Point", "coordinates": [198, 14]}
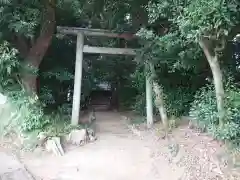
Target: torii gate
{"type": "Point", "coordinates": [81, 48]}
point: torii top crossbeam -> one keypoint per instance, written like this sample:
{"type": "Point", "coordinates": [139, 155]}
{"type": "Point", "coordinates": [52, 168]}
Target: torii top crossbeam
{"type": "Point", "coordinates": [103, 33]}
{"type": "Point", "coordinates": [94, 32]}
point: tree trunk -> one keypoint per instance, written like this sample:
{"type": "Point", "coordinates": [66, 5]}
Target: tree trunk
{"type": "Point", "coordinates": [39, 48]}
{"type": "Point", "coordinates": [139, 14]}
{"type": "Point", "coordinates": [217, 78]}
{"type": "Point", "coordinates": [160, 105]}
{"type": "Point", "coordinates": [159, 101]}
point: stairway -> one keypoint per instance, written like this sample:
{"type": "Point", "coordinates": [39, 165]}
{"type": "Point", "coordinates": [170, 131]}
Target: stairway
{"type": "Point", "coordinates": [101, 101]}
{"type": "Point", "coordinates": [101, 104]}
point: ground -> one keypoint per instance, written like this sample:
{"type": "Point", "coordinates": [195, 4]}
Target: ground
{"type": "Point", "coordinates": [124, 153]}
{"type": "Point", "coordinates": [12, 169]}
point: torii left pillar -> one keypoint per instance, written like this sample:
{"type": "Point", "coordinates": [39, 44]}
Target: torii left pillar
{"type": "Point", "coordinates": [77, 80]}
{"type": "Point", "coordinates": [149, 102]}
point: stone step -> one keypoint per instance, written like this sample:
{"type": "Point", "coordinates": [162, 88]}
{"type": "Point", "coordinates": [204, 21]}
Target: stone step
{"type": "Point", "coordinates": [102, 107]}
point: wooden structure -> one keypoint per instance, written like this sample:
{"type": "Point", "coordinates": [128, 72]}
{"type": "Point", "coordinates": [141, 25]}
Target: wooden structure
{"type": "Point", "coordinates": [81, 49]}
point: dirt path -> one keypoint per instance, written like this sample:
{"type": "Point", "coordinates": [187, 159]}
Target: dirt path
{"type": "Point", "coordinates": [118, 154]}
{"type": "Point", "coordinates": [12, 169]}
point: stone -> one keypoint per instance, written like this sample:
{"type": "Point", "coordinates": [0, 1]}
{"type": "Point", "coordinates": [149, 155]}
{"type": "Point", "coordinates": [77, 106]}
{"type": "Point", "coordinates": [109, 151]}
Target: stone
{"type": "Point", "coordinates": [3, 99]}
{"type": "Point", "coordinates": [42, 138]}
{"type": "Point", "coordinates": [191, 125]}
{"type": "Point", "coordinates": [92, 138]}
{"type": "Point", "coordinates": [54, 145]}
{"type": "Point", "coordinates": [92, 116]}
{"type": "Point", "coordinates": [42, 135]}
{"type": "Point", "coordinates": [90, 131]}
{"type": "Point", "coordinates": [91, 135]}
{"type": "Point", "coordinates": [135, 130]}
{"type": "Point", "coordinates": [78, 137]}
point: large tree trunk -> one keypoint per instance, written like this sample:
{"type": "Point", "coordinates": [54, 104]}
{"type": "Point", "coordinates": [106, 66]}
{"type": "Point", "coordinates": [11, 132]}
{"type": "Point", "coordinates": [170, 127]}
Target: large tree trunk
{"type": "Point", "coordinates": [139, 14]}
{"type": "Point", "coordinates": [159, 100]}
{"type": "Point", "coordinates": [212, 59]}
{"type": "Point", "coordinates": [160, 104]}
{"type": "Point", "coordinates": [37, 51]}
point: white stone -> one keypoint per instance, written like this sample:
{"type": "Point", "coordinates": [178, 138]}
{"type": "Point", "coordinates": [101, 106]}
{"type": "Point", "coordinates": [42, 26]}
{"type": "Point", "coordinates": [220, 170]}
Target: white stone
{"type": "Point", "coordinates": [54, 145]}
{"type": "Point", "coordinates": [3, 99]}
{"type": "Point", "coordinates": [42, 138]}
{"type": "Point", "coordinates": [78, 137]}
{"type": "Point", "coordinates": [42, 135]}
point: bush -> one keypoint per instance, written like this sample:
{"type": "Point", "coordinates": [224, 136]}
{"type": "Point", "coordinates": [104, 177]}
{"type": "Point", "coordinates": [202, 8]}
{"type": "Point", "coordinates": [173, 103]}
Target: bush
{"type": "Point", "coordinates": [229, 132]}
{"type": "Point", "coordinates": [203, 109]}
{"type": "Point", "coordinates": [30, 110]}
{"type": "Point", "coordinates": [27, 112]}
{"type": "Point", "coordinates": [24, 113]}
{"type": "Point", "coordinates": [178, 101]}
{"type": "Point", "coordinates": [204, 112]}
{"type": "Point", "coordinates": [140, 104]}
{"type": "Point", "coordinates": [33, 116]}
{"type": "Point", "coordinates": [28, 115]}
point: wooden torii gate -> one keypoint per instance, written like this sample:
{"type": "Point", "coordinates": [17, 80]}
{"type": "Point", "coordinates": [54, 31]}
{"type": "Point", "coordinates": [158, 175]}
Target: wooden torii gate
{"type": "Point", "coordinates": [81, 48]}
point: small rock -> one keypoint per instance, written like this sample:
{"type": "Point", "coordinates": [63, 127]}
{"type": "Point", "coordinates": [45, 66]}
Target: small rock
{"type": "Point", "coordinates": [91, 135]}
{"type": "Point", "coordinates": [173, 148]}
{"type": "Point", "coordinates": [135, 130]}
{"type": "Point", "coordinates": [78, 137]}
{"type": "Point", "coordinates": [92, 138]}
{"type": "Point", "coordinates": [191, 125]}
{"type": "Point", "coordinates": [22, 138]}
{"type": "Point", "coordinates": [42, 139]}
{"type": "Point", "coordinates": [42, 135]}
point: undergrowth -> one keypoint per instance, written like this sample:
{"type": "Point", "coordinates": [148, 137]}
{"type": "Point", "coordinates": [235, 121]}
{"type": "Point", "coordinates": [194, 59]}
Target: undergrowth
{"type": "Point", "coordinates": [21, 112]}
{"type": "Point", "coordinates": [204, 112]}
{"type": "Point", "coordinates": [28, 115]}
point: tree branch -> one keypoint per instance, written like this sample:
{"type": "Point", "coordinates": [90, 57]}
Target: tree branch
{"type": "Point", "coordinates": [20, 43]}
{"type": "Point", "coordinates": [39, 48]}
{"type": "Point", "coordinates": [221, 46]}
{"type": "Point", "coordinates": [234, 31]}
{"type": "Point", "coordinates": [206, 46]}
{"type": "Point", "coordinates": [18, 4]}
